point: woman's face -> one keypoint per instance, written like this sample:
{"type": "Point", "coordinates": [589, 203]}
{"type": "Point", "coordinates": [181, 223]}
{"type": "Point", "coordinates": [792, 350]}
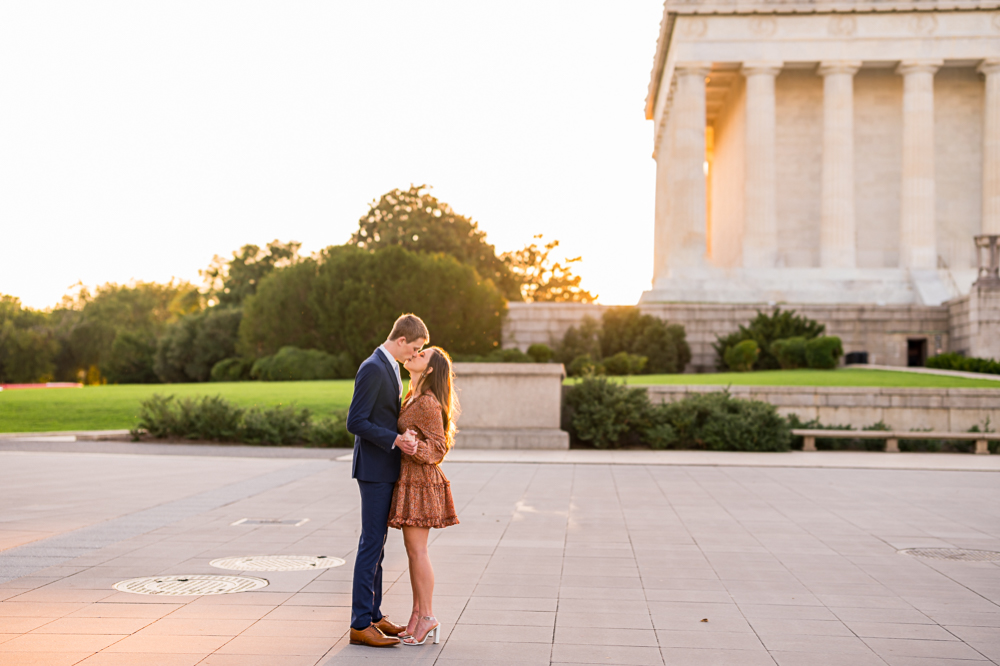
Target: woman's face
{"type": "Point", "coordinates": [418, 362]}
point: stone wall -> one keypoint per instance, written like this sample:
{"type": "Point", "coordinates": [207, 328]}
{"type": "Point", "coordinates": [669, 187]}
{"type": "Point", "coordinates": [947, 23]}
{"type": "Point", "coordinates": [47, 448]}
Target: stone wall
{"type": "Point", "coordinates": [510, 406]}
{"type": "Point", "coordinates": [975, 322]}
{"type": "Point", "coordinates": [953, 410]}
{"type": "Point", "coordinates": [882, 331]}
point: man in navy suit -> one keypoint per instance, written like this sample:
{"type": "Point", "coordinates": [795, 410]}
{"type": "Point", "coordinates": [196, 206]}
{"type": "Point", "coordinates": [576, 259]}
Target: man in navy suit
{"type": "Point", "coordinates": [372, 419]}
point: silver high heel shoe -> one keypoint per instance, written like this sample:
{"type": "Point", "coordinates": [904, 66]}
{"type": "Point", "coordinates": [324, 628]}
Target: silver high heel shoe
{"type": "Point", "coordinates": [435, 631]}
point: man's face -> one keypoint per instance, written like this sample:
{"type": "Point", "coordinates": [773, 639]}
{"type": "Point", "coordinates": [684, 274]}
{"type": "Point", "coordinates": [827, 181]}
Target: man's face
{"type": "Point", "coordinates": [403, 351]}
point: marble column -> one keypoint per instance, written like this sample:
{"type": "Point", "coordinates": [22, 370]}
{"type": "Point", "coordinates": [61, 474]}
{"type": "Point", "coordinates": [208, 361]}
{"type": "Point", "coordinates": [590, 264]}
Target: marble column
{"type": "Point", "coordinates": [760, 230]}
{"type": "Point", "coordinates": [991, 147]}
{"type": "Point", "coordinates": [686, 228]}
{"type": "Point", "coordinates": [918, 244]}
{"type": "Point", "coordinates": [837, 227]}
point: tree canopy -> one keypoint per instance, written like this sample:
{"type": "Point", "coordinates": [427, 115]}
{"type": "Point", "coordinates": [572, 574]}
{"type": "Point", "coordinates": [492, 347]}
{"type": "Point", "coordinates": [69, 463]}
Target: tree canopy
{"type": "Point", "coordinates": [541, 279]}
{"type": "Point", "coordinates": [348, 299]}
{"type": "Point", "coordinates": [417, 221]}
{"type": "Point", "coordinates": [229, 282]}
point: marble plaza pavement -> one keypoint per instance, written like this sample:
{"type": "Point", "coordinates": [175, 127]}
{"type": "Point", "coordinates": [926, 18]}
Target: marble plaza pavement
{"type": "Point", "coordinates": [722, 560]}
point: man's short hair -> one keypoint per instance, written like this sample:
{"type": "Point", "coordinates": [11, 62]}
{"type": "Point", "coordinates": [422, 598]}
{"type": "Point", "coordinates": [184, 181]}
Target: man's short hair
{"type": "Point", "coordinates": [410, 327]}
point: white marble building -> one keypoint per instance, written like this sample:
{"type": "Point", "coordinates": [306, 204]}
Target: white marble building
{"type": "Point", "coordinates": [824, 152]}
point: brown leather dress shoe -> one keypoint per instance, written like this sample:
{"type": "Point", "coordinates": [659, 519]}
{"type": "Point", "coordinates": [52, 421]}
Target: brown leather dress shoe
{"type": "Point", "coordinates": [389, 628]}
{"type": "Point", "coordinates": [372, 637]}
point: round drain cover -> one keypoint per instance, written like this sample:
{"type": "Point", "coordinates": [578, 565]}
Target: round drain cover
{"type": "Point", "coordinates": [277, 562]}
{"type": "Point", "coordinates": [954, 554]}
{"type": "Point", "coordinates": [188, 586]}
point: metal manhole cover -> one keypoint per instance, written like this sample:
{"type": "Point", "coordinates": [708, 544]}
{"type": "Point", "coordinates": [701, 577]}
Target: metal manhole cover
{"type": "Point", "coordinates": [187, 586]}
{"type": "Point", "coordinates": [954, 554]}
{"type": "Point", "coordinates": [277, 562]}
{"type": "Point", "coordinates": [294, 522]}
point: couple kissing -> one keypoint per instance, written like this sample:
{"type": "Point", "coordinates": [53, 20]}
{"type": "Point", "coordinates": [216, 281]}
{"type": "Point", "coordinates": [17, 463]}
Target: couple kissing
{"type": "Point", "coordinates": [398, 449]}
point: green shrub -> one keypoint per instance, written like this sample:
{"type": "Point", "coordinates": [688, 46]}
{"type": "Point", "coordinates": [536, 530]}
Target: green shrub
{"type": "Point", "coordinates": [624, 363]}
{"type": "Point", "coordinates": [512, 355]}
{"type": "Point", "coordinates": [231, 370]}
{"type": "Point", "coordinates": [625, 329]}
{"type": "Point", "coordinates": [824, 352]}
{"type": "Point", "coordinates": [579, 341]}
{"type": "Point", "coordinates": [294, 364]}
{"type": "Point", "coordinates": [790, 352]}
{"type": "Point", "coordinates": [276, 425]}
{"type": "Point", "coordinates": [156, 417]}
{"type": "Point", "coordinates": [717, 422]}
{"type": "Point", "coordinates": [742, 356]}
{"type": "Point", "coordinates": [190, 347]}
{"type": "Point", "coordinates": [214, 419]}
{"type": "Point", "coordinates": [603, 412]}
{"type": "Point", "coordinates": [331, 433]}
{"type": "Point", "coordinates": [540, 353]}
{"type": "Point", "coordinates": [584, 365]}
{"type": "Point", "coordinates": [765, 329]}
{"type": "Point", "coordinates": [208, 418]}
{"type": "Point", "coordinates": [952, 361]}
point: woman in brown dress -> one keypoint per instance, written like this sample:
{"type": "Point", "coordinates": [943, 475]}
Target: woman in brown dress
{"type": "Point", "coordinates": [422, 497]}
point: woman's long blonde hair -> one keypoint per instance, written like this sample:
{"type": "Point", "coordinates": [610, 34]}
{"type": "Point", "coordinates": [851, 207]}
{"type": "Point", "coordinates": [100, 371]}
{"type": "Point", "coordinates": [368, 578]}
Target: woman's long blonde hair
{"type": "Point", "coordinates": [441, 382]}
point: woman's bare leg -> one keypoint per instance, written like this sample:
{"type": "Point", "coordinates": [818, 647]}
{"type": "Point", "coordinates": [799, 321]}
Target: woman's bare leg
{"type": "Point", "coordinates": [421, 574]}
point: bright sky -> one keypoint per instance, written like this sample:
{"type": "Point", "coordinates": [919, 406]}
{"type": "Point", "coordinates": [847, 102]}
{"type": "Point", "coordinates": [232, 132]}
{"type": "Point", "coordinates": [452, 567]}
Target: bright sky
{"type": "Point", "coordinates": [139, 139]}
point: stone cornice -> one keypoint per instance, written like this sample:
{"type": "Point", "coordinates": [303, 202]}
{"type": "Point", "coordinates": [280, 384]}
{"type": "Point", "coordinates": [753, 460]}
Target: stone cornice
{"type": "Point", "coordinates": [820, 6]}
{"type": "Point", "coordinates": [674, 8]}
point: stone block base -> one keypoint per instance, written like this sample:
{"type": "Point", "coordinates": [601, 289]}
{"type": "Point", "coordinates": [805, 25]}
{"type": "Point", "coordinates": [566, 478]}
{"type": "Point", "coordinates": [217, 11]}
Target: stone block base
{"type": "Point", "coordinates": [527, 438]}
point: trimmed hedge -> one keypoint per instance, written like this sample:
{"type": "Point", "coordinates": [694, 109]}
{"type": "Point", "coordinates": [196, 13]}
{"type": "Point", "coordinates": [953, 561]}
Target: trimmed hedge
{"type": "Point", "coordinates": [624, 363]}
{"type": "Point", "coordinates": [790, 352]}
{"type": "Point", "coordinates": [824, 352]}
{"type": "Point", "coordinates": [294, 364]}
{"type": "Point", "coordinates": [742, 356]}
{"type": "Point", "coordinates": [541, 353]}
{"type": "Point", "coordinates": [231, 370]}
{"type": "Point", "coordinates": [211, 418]}
{"type": "Point", "coordinates": [952, 361]}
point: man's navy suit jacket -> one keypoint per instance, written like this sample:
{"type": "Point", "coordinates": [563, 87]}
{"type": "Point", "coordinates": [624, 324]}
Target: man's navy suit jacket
{"type": "Point", "coordinates": [372, 420]}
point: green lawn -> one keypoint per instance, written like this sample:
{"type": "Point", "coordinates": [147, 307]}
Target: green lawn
{"type": "Point", "coordinates": [115, 407]}
{"type": "Point", "coordinates": [840, 377]}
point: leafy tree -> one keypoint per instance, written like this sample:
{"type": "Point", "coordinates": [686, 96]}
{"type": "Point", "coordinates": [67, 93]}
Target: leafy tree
{"type": "Point", "coordinates": [417, 221]}
{"type": "Point", "coordinates": [230, 282]}
{"type": "Point", "coordinates": [543, 280]}
{"type": "Point", "coordinates": [280, 313]}
{"type": "Point", "coordinates": [27, 346]}
{"type": "Point", "coordinates": [582, 340]}
{"type": "Point", "coordinates": [190, 347]}
{"type": "Point", "coordinates": [92, 323]}
{"type": "Point", "coordinates": [131, 360]}
{"type": "Point", "coordinates": [764, 329]}
{"type": "Point", "coordinates": [347, 299]}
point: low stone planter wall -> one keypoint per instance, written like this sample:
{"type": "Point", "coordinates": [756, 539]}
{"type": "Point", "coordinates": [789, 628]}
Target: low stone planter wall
{"type": "Point", "coordinates": [900, 408]}
{"type": "Point", "coordinates": [510, 406]}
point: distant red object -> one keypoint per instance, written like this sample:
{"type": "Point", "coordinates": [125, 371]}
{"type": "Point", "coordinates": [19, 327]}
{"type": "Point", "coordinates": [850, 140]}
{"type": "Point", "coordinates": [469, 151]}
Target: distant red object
{"type": "Point", "coordinates": [14, 387]}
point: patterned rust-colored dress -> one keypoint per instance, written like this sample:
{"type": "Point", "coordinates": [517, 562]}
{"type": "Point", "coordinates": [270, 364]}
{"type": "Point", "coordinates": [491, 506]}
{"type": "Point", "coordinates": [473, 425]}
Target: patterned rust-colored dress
{"type": "Point", "coordinates": [422, 497]}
